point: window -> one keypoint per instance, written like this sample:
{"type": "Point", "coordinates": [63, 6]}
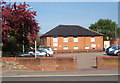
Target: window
{"type": "Point", "coordinates": [65, 39]}
{"type": "Point", "coordinates": [65, 48]}
{"type": "Point", "coordinates": [75, 47]}
{"type": "Point", "coordinates": [93, 46]}
{"type": "Point", "coordinates": [55, 48]}
{"type": "Point", "coordinates": [118, 47]}
{"type": "Point", "coordinates": [55, 39]}
{"type": "Point", "coordinates": [92, 39]}
{"type": "Point", "coordinates": [75, 39]}
{"type": "Point", "coordinates": [86, 47]}
{"type": "Point", "coordinates": [55, 44]}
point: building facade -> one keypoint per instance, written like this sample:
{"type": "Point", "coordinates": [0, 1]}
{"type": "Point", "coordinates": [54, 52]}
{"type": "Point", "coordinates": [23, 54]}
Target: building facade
{"type": "Point", "coordinates": [72, 38]}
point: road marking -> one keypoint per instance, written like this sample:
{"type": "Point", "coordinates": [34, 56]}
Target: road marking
{"type": "Point", "coordinates": [60, 75]}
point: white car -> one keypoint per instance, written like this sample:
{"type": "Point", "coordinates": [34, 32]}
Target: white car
{"type": "Point", "coordinates": [39, 53]}
{"type": "Point", "coordinates": [49, 50]}
{"type": "Point", "coordinates": [117, 52]}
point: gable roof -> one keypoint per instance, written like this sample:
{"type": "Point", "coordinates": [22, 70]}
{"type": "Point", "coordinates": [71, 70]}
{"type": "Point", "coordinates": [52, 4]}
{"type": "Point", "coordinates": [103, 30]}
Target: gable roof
{"type": "Point", "coordinates": [70, 30]}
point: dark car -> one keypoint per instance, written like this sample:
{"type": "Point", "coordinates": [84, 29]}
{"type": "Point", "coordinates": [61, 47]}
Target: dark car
{"type": "Point", "coordinates": [25, 55]}
{"type": "Point", "coordinates": [112, 50]}
{"type": "Point", "coordinates": [8, 55]}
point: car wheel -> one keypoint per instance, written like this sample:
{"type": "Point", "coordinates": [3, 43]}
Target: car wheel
{"type": "Point", "coordinates": [118, 54]}
{"type": "Point", "coordinates": [48, 55]}
{"type": "Point", "coordinates": [51, 55]}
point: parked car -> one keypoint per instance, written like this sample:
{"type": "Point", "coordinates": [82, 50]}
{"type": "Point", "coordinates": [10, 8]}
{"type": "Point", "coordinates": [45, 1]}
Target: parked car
{"type": "Point", "coordinates": [8, 55]}
{"type": "Point", "coordinates": [49, 50]}
{"type": "Point", "coordinates": [117, 52]}
{"type": "Point", "coordinates": [39, 53]}
{"type": "Point", "coordinates": [25, 55]}
{"type": "Point", "coordinates": [112, 50]}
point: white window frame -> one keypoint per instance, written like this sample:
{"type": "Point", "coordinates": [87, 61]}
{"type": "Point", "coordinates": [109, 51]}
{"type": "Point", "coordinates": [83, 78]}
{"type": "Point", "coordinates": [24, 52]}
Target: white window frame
{"type": "Point", "coordinates": [55, 48]}
{"type": "Point", "coordinates": [65, 39]}
{"type": "Point", "coordinates": [75, 39]}
{"type": "Point", "coordinates": [55, 44]}
{"type": "Point", "coordinates": [87, 47]}
{"type": "Point", "coordinates": [92, 39]}
{"type": "Point", "coordinates": [75, 48]}
{"type": "Point", "coordinates": [93, 46]}
{"type": "Point", "coordinates": [55, 39]}
{"type": "Point", "coordinates": [65, 48]}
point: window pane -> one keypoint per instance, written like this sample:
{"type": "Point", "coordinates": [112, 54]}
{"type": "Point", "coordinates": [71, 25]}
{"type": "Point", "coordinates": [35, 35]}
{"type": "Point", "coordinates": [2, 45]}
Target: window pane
{"type": "Point", "coordinates": [55, 48]}
{"type": "Point", "coordinates": [75, 47]}
{"type": "Point", "coordinates": [93, 46]}
{"type": "Point", "coordinates": [55, 44]}
{"type": "Point", "coordinates": [86, 47]}
{"type": "Point", "coordinates": [65, 39]}
{"type": "Point", "coordinates": [75, 39]}
{"type": "Point", "coordinates": [55, 39]}
{"type": "Point", "coordinates": [92, 39]}
{"type": "Point", "coordinates": [65, 47]}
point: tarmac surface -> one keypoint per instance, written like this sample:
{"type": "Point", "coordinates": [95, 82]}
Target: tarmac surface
{"type": "Point", "coordinates": [63, 78]}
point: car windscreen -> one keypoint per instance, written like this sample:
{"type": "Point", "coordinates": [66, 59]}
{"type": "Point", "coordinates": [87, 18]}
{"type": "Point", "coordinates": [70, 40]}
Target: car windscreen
{"type": "Point", "coordinates": [41, 50]}
{"type": "Point", "coordinates": [48, 48]}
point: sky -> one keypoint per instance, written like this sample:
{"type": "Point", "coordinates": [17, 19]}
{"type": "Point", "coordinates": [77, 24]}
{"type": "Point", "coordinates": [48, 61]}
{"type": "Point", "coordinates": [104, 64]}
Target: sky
{"type": "Point", "coordinates": [52, 14]}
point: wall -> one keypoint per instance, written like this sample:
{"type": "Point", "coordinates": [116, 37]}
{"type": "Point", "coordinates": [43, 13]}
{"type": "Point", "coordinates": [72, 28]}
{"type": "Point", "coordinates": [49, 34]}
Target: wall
{"type": "Point", "coordinates": [115, 43]}
{"type": "Point", "coordinates": [108, 62]}
{"type": "Point", "coordinates": [39, 63]}
{"type": "Point", "coordinates": [82, 42]}
{"type": "Point", "coordinates": [43, 41]}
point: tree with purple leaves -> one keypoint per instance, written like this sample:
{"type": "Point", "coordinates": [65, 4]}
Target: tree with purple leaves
{"type": "Point", "coordinates": [19, 24]}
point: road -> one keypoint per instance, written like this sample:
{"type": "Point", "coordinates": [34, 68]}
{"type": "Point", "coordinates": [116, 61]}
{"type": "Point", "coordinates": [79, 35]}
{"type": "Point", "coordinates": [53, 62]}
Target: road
{"type": "Point", "coordinates": [63, 78]}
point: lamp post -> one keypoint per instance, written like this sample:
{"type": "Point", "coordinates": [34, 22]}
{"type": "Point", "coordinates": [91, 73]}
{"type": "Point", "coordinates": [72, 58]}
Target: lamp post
{"type": "Point", "coordinates": [116, 35]}
{"type": "Point", "coordinates": [35, 40]}
{"type": "Point", "coordinates": [35, 48]}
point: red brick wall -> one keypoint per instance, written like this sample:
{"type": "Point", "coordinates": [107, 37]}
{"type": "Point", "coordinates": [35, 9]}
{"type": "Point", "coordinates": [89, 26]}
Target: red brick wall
{"type": "Point", "coordinates": [39, 63]}
{"type": "Point", "coordinates": [108, 62]}
{"type": "Point", "coordinates": [114, 43]}
{"type": "Point", "coordinates": [82, 42]}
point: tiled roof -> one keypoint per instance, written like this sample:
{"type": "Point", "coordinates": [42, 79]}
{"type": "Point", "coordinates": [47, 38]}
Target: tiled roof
{"type": "Point", "coordinates": [70, 30]}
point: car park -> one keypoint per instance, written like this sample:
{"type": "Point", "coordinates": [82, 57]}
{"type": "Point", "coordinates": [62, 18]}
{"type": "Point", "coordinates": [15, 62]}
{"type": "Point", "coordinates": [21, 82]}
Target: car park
{"type": "Point", "coordinates": [49, 50]}
{"type": "Point", "coordinates": [113, 50]}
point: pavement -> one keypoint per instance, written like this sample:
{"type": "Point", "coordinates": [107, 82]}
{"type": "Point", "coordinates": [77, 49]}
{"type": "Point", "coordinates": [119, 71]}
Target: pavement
{"type": "Point", "coordinates": [86, 63]}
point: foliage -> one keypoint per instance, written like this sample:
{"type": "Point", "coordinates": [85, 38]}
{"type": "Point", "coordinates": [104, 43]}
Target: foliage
{"type": "Point", "coordinates": [19, 27]}
{"type": "Point", "coordinates": [12, 48]}
{"type": "Point", "coordinates": [18, 21]}
{"type": "Point", "coordinates": [106, 27]}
